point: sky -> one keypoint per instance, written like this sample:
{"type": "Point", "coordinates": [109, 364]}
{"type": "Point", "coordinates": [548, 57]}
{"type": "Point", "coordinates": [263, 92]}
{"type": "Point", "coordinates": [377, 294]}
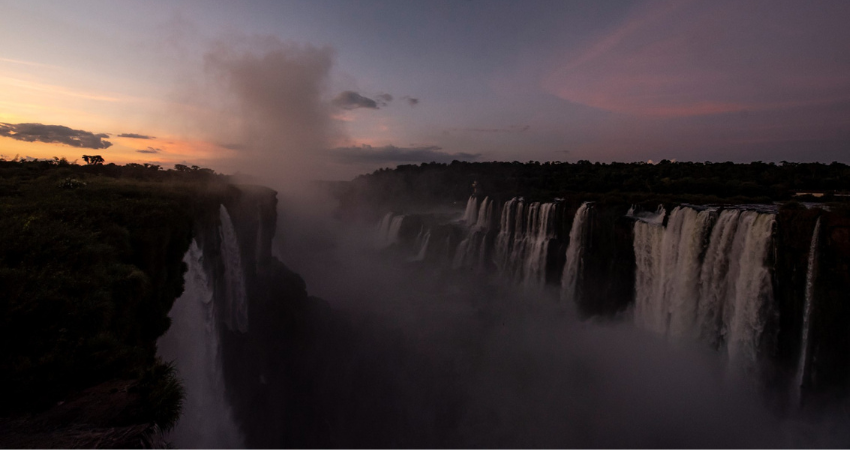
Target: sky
{"type": "Point", "coordinates": [332, 89]}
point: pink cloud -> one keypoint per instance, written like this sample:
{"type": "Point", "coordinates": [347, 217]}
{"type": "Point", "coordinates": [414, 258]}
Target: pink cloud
{"type": "Point", "coordinates": [692, 59]}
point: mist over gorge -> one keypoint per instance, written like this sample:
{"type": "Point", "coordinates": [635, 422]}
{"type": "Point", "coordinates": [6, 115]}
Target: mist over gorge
{"type": "Point", "coordinates": [501, 321]}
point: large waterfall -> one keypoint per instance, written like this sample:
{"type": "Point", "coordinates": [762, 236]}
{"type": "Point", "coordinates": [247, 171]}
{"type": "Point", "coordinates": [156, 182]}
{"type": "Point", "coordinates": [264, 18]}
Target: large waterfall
{"type": "Point", "coordinates": [388, 229]}
{"type": "Point", "coordinates": [575, 253]}
{"type": "Point", "coordinates": [802, 367]}
{"type": "Point", "coordinates": [522, 245]}
{"type": "Point", "coordinates": [472, 250]}
{"type": "Point", "coordinates": [192, 344]}
{"type": "Point", "coordinates": [236, 299]}
{"type": "Point", "coordinates": [692, 283]}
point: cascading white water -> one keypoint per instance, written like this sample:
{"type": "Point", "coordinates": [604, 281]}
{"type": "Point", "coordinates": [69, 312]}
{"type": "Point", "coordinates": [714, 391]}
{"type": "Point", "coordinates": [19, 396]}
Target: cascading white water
{"type": "Point", "coordinates": [485, 214]}
{"type": "Point", "coordinates": [575, 255]}
{"type": "Point", "coordinates": [522, 245]}
{"type": "Point", "coordinates": [720, 298]}
{"type": "Point", "coordinates": [236, 299]}
{"type": "Point", "coordinates": [395, 227]}
{"type": "Point", "coordinates": [811, 272]}
{"type": "Point", "coordinates": [470, 215]}
{"type": "Point", "coordinates": [668, 271]}
{"type": "Point", "coordinates": [423, 246]}
{"type": "Point", "coordinates": [744, 321]}
{"type": "Point", "coordinates": [540, 233]}
{"type": "Point", "coordinates": [192, 344]}
{"type": "Point", "coordinates": [507, 222]}
{"type": "Point", "coordinates": [717, 277]}
{"type": "Point", "coordinates": [388, 230]}
{"type": "Point", "coordinates": [472, 249]}
{"type": "Point", "coordinates": [681, 286]}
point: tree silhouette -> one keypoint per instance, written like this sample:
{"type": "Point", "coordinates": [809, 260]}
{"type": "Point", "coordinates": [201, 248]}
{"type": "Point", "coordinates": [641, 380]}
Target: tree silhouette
{"type": "Point", "coordinates": [93, 160]}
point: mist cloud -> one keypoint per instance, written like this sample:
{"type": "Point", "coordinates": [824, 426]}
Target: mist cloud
{"type": "Point", "coordinates": [54, 134]}
{"type": "Point", "coordinates": [391, 153]}
{"type": "Point", "coordinates": [353, 100]}
{"type": "Point", "coordinates": [134, 136]}
{"type": "Point", "coordinates": [272, 108]}
{"type": "Point", "coordinates": [150, 150]}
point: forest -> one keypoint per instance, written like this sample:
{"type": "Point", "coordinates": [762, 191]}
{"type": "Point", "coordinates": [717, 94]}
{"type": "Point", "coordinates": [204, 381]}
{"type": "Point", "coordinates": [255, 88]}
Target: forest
{"type": "Point", "coordinates": [667, 181]}
{"type": "Point", "coordinates": [90, 264]}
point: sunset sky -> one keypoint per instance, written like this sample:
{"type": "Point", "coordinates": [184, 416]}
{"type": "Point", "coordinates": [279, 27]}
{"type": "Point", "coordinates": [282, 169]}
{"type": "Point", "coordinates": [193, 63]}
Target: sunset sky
{"type": "Point", "coordinates": [333, 89]}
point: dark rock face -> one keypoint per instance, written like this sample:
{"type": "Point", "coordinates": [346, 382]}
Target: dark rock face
{"type": "Point", "coordinates": [609, 272]}
{"type": "Point", "coordinates": [792, 239]}
{"type": "Point", "coordinates": [830, 336]}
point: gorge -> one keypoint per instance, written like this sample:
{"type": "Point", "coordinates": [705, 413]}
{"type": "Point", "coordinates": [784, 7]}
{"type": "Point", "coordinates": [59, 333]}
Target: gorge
{"type": "Point", "coordinates": [488, 322]}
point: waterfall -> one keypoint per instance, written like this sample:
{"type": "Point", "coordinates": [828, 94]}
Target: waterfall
{"type": "Point", "coordinates": [236, 299]}
{"type": "Point", "coordinates": [681, 286]}
{"type": "Point", "coordinates": [423, 246]}
{"type": "Point", "coordinates": [811, 272]}
{"type": "Point", "coordinates": [384, 227]}
{"type": "Point", "coordinates": [472, 250]}
{"type": "Point", "coordinates": [192, 344]}
{"type": "Point", "coordinates": [717, 280]}
{"type": "Point", "coordinates": [504, 240]}
{"type": "Point", "coordinates": [485, 213]}
{"type": "Point", "coordinates": [395, 227]}
{"type": "Point", "coordinates": [470, 216]}
{"type": "Point", "coordinates": [668, 270]}
{"type": "Point", "coordinates": [388, 229]}
{"type": "Point", "coordinates": [719, 297]}
{"type": "Point", "coordinates": [522, 245]}
{"type": "Point", "coordinates": [540, 232]}
{"type": "Point", "coordinates": [575, 253]}
{"type": "Point", "coordinates": [744, 321]}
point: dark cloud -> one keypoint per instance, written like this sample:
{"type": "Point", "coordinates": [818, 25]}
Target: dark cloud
{"type": "Point", "coordinates": [391, 153]}
{"type": "Point", "coordinates": [384, 99]}
{"type": "Point", "coordinates": [411, 101]}
{"type": "Point", "coordinates": [134, 136]}
{"type": "Point", "coordinates": [54, 134]}
{"type": "Point", "coordinates": [150, 150]}
{"type": "Point", "coordinates": [353, 100]}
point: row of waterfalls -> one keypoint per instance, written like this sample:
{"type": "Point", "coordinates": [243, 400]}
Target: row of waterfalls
{"type": "Point", "coordinates": [701, 274]}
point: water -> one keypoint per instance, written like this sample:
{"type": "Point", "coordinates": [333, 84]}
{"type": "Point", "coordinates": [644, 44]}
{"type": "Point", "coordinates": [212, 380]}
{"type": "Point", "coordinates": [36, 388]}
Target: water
{"type": "Point", "coordinates": [696, 279]}
{"type": "Point", "coordinates": [575, 254]}
{"type": "Point", "coordinates": [811, 272]}
{"type": "Point", "coordinates": [236, 301]}
{"type": "Point", "coordinates": [192, 343]}
{"type": "Point", "coordinates": [388, 230]}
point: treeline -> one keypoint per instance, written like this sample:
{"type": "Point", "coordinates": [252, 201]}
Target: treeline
{"type": "Point", "coordinates": [708, 182]}
{"type": "Point", "coordinates": [90, 265]}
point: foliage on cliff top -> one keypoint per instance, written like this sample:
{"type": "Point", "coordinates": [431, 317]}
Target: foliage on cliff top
{"type": "Point", "coordinates": [680, 181]}
{"type": "Point", "coordinates": [90, 264]}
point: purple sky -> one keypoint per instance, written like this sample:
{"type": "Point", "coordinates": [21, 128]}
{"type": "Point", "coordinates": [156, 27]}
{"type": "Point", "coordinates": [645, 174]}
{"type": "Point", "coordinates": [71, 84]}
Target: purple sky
{"type": "Point", "coordinates": [338, 88]}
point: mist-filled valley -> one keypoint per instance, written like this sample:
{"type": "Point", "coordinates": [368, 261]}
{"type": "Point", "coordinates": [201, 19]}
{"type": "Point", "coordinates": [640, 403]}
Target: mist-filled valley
{"type": "Point", "coordinates": [188, 308]}
{"type": "Point", "coordinates": [481, 324]}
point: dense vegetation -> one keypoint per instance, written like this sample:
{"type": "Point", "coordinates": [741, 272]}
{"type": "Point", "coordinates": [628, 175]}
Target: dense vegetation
{"type": "Point", "coordinates": [708, 182]}
{"type": "Point", "coordinates": [90, 264]}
